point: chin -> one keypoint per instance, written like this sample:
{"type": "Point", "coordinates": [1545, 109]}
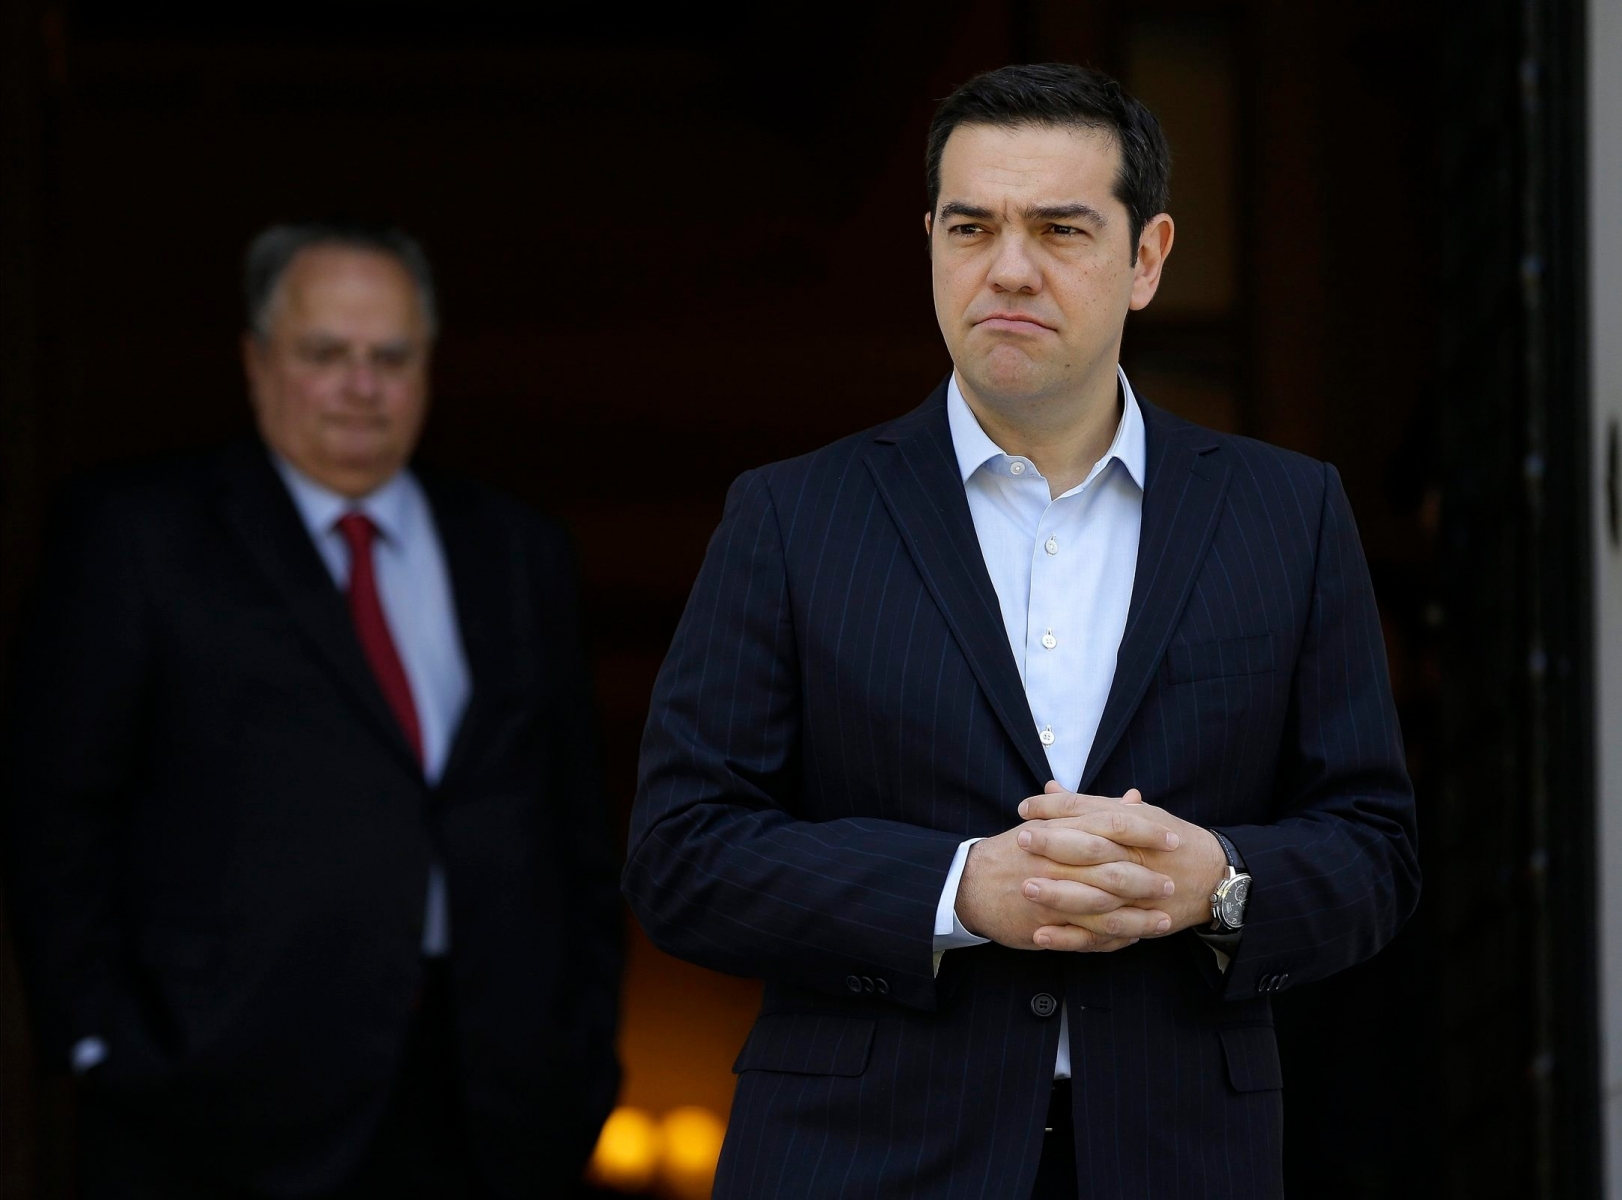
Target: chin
{"type": "Point", "coordinates": [362, 472]}
{"type": "Point", "coordinates": [357, 449]}
{"type": "Point", "coordinates": [1009, 381]}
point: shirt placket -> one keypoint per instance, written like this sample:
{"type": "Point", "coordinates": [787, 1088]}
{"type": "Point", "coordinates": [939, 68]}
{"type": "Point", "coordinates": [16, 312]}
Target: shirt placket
{"type": "Point", "coordinates": [1046, 631]}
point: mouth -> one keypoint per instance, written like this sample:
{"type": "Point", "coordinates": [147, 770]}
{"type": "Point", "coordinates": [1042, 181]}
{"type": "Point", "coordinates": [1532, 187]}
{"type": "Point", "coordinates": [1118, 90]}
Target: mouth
{"type": "Point", "coordinates": [1012, 322]}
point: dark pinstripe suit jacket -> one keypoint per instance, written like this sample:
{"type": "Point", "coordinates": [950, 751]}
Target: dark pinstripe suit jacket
{"type": "Point", "coordinates": [840, 708]}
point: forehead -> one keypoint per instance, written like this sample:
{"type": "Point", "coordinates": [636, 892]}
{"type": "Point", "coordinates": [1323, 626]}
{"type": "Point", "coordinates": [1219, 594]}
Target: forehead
{"type": "Point", "coordinates": [1041, 164]}
{"type": "Point", "coordinates": [348, 286]}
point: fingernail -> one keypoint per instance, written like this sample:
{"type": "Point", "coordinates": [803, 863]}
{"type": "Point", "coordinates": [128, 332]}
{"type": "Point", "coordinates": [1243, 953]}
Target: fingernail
{"type": "Point", "coordinates": [1134, 941]}
{"type": "Point", "coordinates": [1165, 924]}
{"type": "Point", "coordinates": [1023, 838]}
{"type": "Point", "coordinates": [1167, 888]}
{"type": "Point", "coordinates": [1032, 891]}
{"type": "Point", "coordinates": [1024, 807]}
{"type": "Point", "coordinates": [1171, 841]}
{"type": "Point", "coordinates": [1043, 939]}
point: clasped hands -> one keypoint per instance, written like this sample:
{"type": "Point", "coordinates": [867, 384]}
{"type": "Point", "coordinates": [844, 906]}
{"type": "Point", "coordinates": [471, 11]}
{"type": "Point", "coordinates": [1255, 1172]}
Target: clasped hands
{"type": "Point", "coordinates": [1089, 873]}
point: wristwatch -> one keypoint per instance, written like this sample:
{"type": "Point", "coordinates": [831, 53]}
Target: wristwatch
{"type": "Point", "coordinates": [1228, 901]}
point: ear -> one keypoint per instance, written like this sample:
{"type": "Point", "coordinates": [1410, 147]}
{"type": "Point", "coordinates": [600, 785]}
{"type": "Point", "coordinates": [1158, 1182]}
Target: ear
{"type": "Point", "coordinates": [929, 224]}
{"type": "Point", "coordinates": [1154, 245]}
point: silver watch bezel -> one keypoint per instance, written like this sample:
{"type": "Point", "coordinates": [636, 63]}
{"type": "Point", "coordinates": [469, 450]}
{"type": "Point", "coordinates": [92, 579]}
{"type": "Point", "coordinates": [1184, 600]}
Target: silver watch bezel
{"type": "Point", "coordinates": [1228, 902]}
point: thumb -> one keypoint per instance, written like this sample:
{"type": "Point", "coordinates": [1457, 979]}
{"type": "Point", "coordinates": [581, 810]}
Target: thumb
{"type": "Point", "coordinates": [1133, 796]}
{"type": "Point", "coordinates": [1052, 786]}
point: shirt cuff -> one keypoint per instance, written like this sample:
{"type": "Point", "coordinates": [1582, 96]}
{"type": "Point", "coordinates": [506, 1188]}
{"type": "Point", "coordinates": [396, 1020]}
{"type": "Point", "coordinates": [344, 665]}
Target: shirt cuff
{"type": "Point", "coordinates": [87, 1053]}
{"type": "Point", "coordinates": [949, 931]}
{"type": "Point", "coordinates": [436, 923]}
{"type": "Point", "coordinates": [1223, 945]}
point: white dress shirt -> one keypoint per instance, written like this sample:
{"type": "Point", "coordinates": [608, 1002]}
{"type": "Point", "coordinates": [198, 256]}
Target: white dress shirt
{"type": "Point", "coordinates": [1063, 569]}
{"type": "Point", "coordinates": [414, 588]}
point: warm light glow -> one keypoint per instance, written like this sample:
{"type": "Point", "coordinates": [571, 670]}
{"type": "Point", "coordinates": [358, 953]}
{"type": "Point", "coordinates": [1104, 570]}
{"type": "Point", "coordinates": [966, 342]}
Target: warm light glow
{"type": "Point", "coordinates": [679, 1152]}
{"type": "Point", "coordinates": [692, 1146]}
{"type": "Point", "coordinates": [627, 1154]}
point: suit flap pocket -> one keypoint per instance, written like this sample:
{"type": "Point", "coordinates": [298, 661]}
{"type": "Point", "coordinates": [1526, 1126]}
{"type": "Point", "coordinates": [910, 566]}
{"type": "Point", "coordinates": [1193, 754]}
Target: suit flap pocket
{"type": "Point", "coordinates": [1188, 661]}
{"type": "Point", "coordinates": [807, 1044]}
{"type": "Point", "coordinates": [1252, 1053]}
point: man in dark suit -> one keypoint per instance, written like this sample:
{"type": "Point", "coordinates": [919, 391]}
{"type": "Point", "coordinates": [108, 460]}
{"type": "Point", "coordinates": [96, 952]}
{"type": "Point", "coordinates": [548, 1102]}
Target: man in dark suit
{"type": "Point", "coordinates": [307, 859]}
{"type": "Point", "coordinates": [926, 681]}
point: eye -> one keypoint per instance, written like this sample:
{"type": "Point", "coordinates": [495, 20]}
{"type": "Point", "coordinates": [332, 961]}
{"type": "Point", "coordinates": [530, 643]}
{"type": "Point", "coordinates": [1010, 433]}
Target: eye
{"type": "Point", "coordinates": [1066, 230]}
{"type": "Point", "coordinates": [393, 358]}
{"type": "Point", "coordinates": [323, 354]}
{"type": "Point", "coordinates": [966, 229]}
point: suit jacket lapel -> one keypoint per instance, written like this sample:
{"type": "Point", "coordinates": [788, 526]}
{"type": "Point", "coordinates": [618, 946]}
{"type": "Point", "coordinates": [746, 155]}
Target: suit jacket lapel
{"type": "Point", "coordinates": [261, 513]}
{"type": "Point", "coordinates": [916, 470]}
{"type": "Point", "coordinates": [484, 596]}
{"type": "Point", "coordinates": [1182, 500]}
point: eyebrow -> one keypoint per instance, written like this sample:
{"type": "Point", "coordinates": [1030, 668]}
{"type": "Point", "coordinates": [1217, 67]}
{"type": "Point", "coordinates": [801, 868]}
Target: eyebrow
{"type": "Point", "coordinates": [1073, 211]}
{"type": "Point", "coordinates": [317, 339]}
{"type": "Point", "coordinates": [957, 208]}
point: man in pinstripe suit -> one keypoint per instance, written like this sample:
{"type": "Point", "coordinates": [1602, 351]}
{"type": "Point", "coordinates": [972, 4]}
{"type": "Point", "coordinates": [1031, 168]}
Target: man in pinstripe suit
{"type": "Point", "coordinates": [929, 677]}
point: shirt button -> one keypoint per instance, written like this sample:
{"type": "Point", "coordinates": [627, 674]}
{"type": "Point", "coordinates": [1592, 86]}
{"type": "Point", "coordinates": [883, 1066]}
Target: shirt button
{"type": "Point", "coordinates": [1043, 1005]}
{"type": "Point", "coordinates": [1052, 546]}
{"type": "Point", "coordinates": [1049, 641]}
{"type": "Point", "coordinates": [1047, 737]}
{"type": "Point", "coordinates": [1016, 468]}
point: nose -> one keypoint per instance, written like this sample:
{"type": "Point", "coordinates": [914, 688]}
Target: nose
{"type": "Point", "coordinates": [361, 379]}
{"type": "Point", "coordinates": [1014, 268]}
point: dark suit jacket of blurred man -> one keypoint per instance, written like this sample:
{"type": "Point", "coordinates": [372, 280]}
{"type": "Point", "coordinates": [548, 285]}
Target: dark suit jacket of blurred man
{"type": "Point", "coordinates": [219, 839]}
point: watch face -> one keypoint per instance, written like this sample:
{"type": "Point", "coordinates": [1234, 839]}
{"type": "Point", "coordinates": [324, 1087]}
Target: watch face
{"type": "Point", "coordinates": [1231, 897]}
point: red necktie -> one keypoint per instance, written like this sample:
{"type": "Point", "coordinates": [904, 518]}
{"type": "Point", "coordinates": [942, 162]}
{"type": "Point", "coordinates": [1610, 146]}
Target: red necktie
{"type": "Point", "coordinates": [373, 627]}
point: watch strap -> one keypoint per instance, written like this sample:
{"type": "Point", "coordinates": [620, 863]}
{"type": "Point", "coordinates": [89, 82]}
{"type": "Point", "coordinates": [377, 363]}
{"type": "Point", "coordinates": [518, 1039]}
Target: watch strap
{"type": "Point", "coordinates": [1229, 849]}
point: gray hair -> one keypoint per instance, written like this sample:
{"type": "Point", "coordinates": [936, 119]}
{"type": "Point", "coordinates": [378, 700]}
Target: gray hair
{"type": "Point", "coordinates": [273, 250]}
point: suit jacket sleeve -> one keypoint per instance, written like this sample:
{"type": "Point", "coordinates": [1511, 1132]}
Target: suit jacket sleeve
{"type": "Point", "coordinates": [723, 870]}
{"type": "Point", "coordinates": [1336, 873]}
{"type": "Point", "coordinates": [73, 738]}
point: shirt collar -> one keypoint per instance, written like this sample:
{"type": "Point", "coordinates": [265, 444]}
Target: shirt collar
{"type": "Point", "coordinates": [975, 448]}
{"type": "Point", "coordinates": [320, 507]}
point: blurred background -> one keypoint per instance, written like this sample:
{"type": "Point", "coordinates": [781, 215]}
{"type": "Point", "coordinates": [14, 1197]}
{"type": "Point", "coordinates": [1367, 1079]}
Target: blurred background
{"type": "Point", "coordinates": [677, 244]}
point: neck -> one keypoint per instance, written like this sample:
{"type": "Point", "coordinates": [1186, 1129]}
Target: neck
{"type": "Point", "coordinates": [351, 485]}
{"type": "Point", "coordinates": [1063, 435]}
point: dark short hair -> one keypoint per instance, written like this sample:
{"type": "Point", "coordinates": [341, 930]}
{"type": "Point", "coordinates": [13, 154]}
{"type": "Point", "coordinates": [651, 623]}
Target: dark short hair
{"type": "Point", "coordinates": [273, 250]}
{"type": "Point", "coordinates": [1059, 94]}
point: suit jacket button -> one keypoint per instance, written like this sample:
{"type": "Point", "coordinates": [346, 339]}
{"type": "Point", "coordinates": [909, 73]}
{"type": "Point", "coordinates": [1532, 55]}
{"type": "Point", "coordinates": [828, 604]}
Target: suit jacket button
{"type": "Point", "coordinates": [867, 984]}
{"type": "Point", "coordinates": [1044, 1005]}
{"type": "Point", "coordinates": [853, 982]}
{"type": "Point", "coordinates": [1284, 979]}
{"type": "Point", "coordinates": [881, 986]}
